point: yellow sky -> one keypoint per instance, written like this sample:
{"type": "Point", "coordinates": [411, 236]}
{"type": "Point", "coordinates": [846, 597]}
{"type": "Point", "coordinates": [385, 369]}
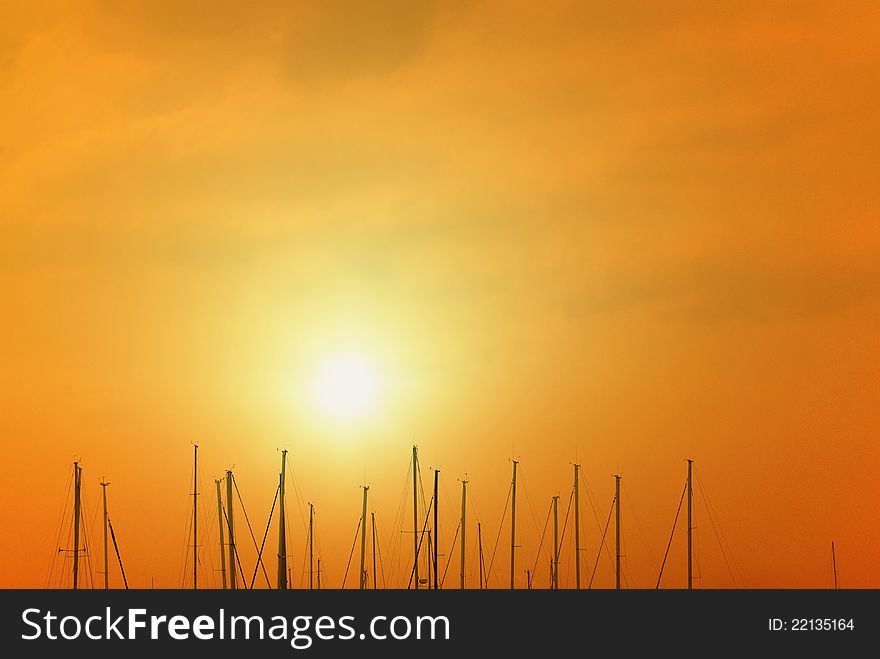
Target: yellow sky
{"type": "Point", "coordinates": [619, 233]}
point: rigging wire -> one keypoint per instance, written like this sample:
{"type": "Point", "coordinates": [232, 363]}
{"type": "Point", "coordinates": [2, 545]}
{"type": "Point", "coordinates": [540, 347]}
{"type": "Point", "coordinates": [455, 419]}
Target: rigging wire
{"type": "Point", "coordinates": [671, 535]}
{"type": "Point", "coordinates": [541, 544]}
{"type": "Point", "coordinates": [641, 529]}
{"type": "Point", "coordinates": [598, 554]}
{"type": "Point", "coordinates": [244, 510]}
{"type": "Point", "coordinates": [351, 553]}
{"type": "Point", "coordinates": [500, 528]}
{"type": "Point", "coordinates": [263, 543]}
{"type": "Point", "coordinates": [451, 549]}
{"type": "Point", "coordinates": [717, 536]}
{"type": "Point", "coordinates": [57, 548]}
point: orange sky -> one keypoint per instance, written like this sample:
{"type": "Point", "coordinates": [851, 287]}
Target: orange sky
{"type": "Point", "coordinates": [615, 233]}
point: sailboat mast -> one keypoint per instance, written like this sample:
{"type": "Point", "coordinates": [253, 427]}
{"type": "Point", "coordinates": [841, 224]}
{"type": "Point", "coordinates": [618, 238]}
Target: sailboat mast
{"type": "Point", "coordinates": [222, 542]}
{"type": "Point", "coordinates": [373, 524]}
{"type": "Point", "coordinates": [577, 530]}
{"type": "Point", "coordinates": [319, 573]}
{"type": "Point", "coordinates": [364, 539]}
{"type": "Point", "coordinates": [513, 526]}
{"type": "Point", "coordinates": [554, 564]}
{"type": "Point", "coordinates": [311, 541]}
{"type": "Point", "coordinates": [617, 529]}
{"type": "Point", "coordinates": [415, 474]}
{"type": "Point", "coordinates": [195, 517]}
{"type": "Point", "coordinates": [436, 534]}
{"type": "Point", "coordinates": [834, 564]}
{"type": "Point", "coordinates": [463, 519]}
{"type": "Point", "coordinates": [77, 479]}
{"type": "Point", "coordinates": [690, 526]}
{"type": "Point", "coordinates": [104, 485]}
{"type": "Point", "coordinates": [233, 573]}
{"type": "Point", "coordinates": [282, 533]}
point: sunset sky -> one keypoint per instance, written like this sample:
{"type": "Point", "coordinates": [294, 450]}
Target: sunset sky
{"type": "Point", "coordinates": [620, 234]}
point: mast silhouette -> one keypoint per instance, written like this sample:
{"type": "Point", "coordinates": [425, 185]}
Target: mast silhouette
{"type": "Point", "coordinates": [577, 530]}
{"type": "Point", "coordinates": [282, 536]}
{"type": "Point", "coordinates": [463, 519]}
{"type": "Point", "coordinates": [554, 564]}
{"type": "Point", "coordinates": [195, 517]}
{"type": "Point", "coordinates": [617, 529]}
{"type": "Point", "coordinates": [104, 485]}
{"type": "Point", "coordinates": [230, 520]}
{"type": "Point", "coordinates": [415, 470]}
{"type": "Point", "coordinates": [222, 541]}
{"type": "Point", "coordinates": [690, 497]}
{"type": "Point", "coordinates": [311, 541]}
{"type": "Point", "coordinates": [363, 580]}
{"type": "Point", "coordinates": [436, 534]}
{"type": "Point", "coordinates": [513, 526]}
{"type": "Point", "coordinates": [77, 480]}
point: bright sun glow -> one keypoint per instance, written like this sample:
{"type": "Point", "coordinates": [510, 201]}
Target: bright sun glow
{"type": "Point", "coordinates": [346, 387]}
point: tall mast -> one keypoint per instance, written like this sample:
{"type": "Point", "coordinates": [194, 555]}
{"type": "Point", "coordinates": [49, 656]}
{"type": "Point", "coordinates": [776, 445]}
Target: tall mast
{"type": "Point", "coordinates": [415, 472]}
{"type": "Point", "coordinates": [834, 564]}
{"type": "Point", "coordinates": [233, 573]}
{"type": "Point", "coordinates": [373, 520]}
{"type": "Point", "coordinates": [577, 530]}
{"type": "Point", "coordinates": [430, 560]}
{"type": "Point", "coordinates": [319, 573]}
{"type": "Point", "coordinates": [104, 485]}
{"type": "Point", "coordinates": [690, 526]}
{"type": "Point", "coordinates": [282, 533]}
{"type": "Point", "coordinates": [364, 539]}
{"type": "Point", "coordinates": [222, 542]}
{"type": "Point", "coordinates": [195, 517]}
{"type": "Point", "coordinates": [480, 543]}
{"type": "Point", "coordinates": [311, 541]}
{"type": "Point", "coordinates": [436, 533]}
{"type": "Point", "coordinates": [617, 528]}
{"type": "Point", "coordinates": [463, 519]}
{"type": "Point", "coordinates": [513, 526]}
{"type": "Point", "coordinates": [77, 479]}
{"type": "Point", "coordinates": [554, 564]}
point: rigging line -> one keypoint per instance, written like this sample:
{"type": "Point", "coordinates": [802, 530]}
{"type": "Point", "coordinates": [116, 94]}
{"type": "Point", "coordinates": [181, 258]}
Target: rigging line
{"type": "Point", "coordinates": [641, 529]}
{"type": "Point", "coordinates": [564, 525]}
{"type": "Point", "coordinates": [671, 535]}
{"type": "Point", "coordinates": [263, 543]}
{"type": "Point", "coordinates": [451, 549]}
{"type": "Point", "coordinates": [599, 553]}
{"type": "Point", "coordinates": [396, 539]}
{"type": "Point", "coordinates": [87, 547]}
{"type": "Point", "coordinates": [590, 499]}
{"type": "Point", "coordinates": [57, 548]}
{"type": "Point", "coordinates": [296, 491]}
{"type": "Point", "coordinates": [721, 531]}
{"type": "Point", "coordinates": [118, 556]}
{"type": "Point", "coordinates": [541, 544]}
{"type": "Point", "coordinates": [351, 553]}
{"type": "Point", "coordinates": [379, 554]}
{"type": "Point", "coordinates": [244, 510]}
{"type": "Point", "coordinates": [522, 479]}
{"type": "Point", "coordinates": [720, 544]}
{"type": "Point", "coordinates": [500, 528]}
{"type": "Point", "coordinates": [207, 529]}
{"type": "Point", "coordinates": [421, 538]}
{"type": "Point", "coordinates": [235, 552]}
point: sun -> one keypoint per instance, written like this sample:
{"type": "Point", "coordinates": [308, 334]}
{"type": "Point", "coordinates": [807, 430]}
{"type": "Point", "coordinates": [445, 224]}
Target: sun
{"type": "Point", "coordinates": [346, 387]}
